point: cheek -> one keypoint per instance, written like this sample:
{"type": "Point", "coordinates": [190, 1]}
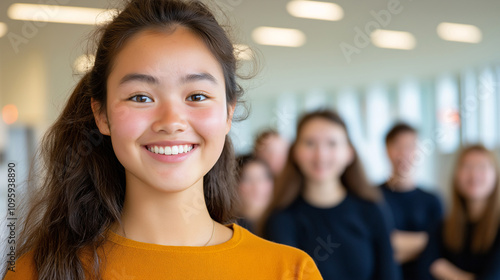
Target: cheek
{"type": "Point", "coordinates": [127, 123]}
{"type": "Point", "coordinates": [267, 187]}
{"type": "Point", "coordinates": [490, 179]}
{"type": "Point", "coordinates": [395, 155]}
{"type": "Point", "coordinates": [341, 157]}
{"type": "Point", "coordinates": [301, 156]}
{"type": "Point", "coordinates": [243, 187]}
{"type": "Point", "coordinates": [305, 154]}
{"type": "Point", "coordinates": [210, 123]}
{"type": "Point", "coordinates": [463, 179]}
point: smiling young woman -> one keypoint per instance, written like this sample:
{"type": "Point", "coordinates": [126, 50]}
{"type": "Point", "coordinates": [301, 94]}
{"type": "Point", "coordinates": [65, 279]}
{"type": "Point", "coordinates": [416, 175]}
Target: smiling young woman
{"type": "Point", "coordinates": [324, 204]}
{"type": "Point", "coordinates": [154, 196]}
{"type": "Point", "coordinates": [466, 245]}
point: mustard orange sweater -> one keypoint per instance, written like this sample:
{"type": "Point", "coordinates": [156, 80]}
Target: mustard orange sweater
{"type": "Point", "coordinates": [244, 256]}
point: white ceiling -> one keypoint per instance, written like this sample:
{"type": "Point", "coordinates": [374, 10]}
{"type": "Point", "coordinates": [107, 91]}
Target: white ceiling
{"type": "Point", "coordinates": [320, 63]}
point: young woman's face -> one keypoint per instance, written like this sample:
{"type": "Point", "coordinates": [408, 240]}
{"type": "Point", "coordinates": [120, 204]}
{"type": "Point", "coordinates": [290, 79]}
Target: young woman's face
{"type": "Point", "coordinates": [322, 150]}
{"type": "Point", "coordinates": [256, 185]}
{"type": "Point", "coordinates": [166, 108]}
{"type": "Point", "coordinates": [476, 176]}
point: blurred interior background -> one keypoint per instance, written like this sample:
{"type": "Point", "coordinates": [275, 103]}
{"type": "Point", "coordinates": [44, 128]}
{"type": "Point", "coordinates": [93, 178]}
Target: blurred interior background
{"type": "Point", "coordinates": [433, 64]}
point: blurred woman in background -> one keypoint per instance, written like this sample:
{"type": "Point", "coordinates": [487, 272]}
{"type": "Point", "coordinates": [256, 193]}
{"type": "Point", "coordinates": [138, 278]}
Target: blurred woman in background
{"type": "Point", "coordinates": [255, 187]}
{"type": "Point", "coordinates": [467, 245]}
{"type": "Point", "coordinates": [324, 205]}
{"type": "Point", "coordinates": [272, 148]}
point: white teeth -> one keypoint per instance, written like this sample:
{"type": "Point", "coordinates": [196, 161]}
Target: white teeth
{"type": "Point", "coordinates": [170, 150]}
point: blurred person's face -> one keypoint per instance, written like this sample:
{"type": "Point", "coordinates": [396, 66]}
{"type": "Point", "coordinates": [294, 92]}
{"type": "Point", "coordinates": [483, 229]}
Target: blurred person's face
{"type": "Point", "coordinates": [476, 176]}
{"type": "Point", "coordinates": [255, 186]}
{"type": "Point", "coordinates": [322, 151]}
{"type": "Point", "coordinates": [274, 151]}
{"type": "Point", "coordinates": [166, 110]}
{"type": "Point", "coordinates": [401, 152]}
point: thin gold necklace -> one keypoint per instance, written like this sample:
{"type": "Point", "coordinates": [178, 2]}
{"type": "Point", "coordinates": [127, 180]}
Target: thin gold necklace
{"type": "Point", "coordinates": [213, 230]}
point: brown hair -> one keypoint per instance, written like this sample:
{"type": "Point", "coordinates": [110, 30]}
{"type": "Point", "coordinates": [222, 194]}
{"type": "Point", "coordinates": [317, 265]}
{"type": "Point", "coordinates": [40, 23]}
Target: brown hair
{"type": "Point", "coordinates": [456, 221]}
{"type": "Point", "coordinates": [244, 160]}
{"type": "Point", "coordinates": [290, 183]}
{"type": "Point", "coordinates": [83, 187]}
{"type": "Point", "coordinates": [263, 136]}
{"type": "Point", "coordinates": [397, 130]}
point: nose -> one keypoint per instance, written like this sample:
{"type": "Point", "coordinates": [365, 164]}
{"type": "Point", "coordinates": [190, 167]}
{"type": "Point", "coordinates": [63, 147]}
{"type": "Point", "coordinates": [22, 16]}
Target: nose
{"type": "Point", "coordinates": [169, 118]}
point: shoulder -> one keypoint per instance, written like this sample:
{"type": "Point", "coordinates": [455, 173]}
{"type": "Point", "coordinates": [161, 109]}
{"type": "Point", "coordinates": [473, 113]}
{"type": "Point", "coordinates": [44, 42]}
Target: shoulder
{"type": "Point", "coordinates": [286, 216]}
{"type": "Point", "coordinates": [254, 245]}
{"type": "Point", "coordinates": [22, 268]}
{"type": "Point", "coordinates": [429, 196]}
{"type": "Point", "coordinates": [426, 193]}
{"type": "Point", "coordinates": [383, 187]}
{"type": "Point", "coordinates": [374, 213]}
{"type": "Point", "coordinates": [283, 215]}
{"type": "Point", "coordinates": [253, 242]}
{"type": "Point", "coordinates": [364, 205]}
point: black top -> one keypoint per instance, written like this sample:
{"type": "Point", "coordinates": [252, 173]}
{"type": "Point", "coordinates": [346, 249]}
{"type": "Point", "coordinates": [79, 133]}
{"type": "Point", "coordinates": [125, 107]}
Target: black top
{"type": "Point", "coordinates": [347, 241]}
{"type": "Point", "coordinates": [414, 210]}
{"type": "Point", "coordinates": [245, 223]}
{"type": "Point", "coordinates": [485, 266]}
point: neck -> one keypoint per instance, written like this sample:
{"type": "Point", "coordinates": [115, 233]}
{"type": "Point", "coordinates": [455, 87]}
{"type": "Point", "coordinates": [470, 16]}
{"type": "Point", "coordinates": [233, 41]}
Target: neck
{"type": "Point", "coordinates": [401, 183]}
{"type": "Point", "coordinates": [166, 218]}
{"type": "Point", "coordinates": [324, 194]}
{"type": "Point", "coordinates": [475, 209]}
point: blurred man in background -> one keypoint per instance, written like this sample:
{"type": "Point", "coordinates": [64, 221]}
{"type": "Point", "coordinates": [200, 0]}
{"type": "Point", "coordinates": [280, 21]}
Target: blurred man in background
{"type": "Point", "coordinates": [415, 212]}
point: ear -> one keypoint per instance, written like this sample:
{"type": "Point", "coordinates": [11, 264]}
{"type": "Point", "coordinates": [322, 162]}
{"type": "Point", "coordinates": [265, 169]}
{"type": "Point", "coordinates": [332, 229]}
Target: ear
{"type": "Point", "coordinates": [101, 120]}
{"type": "Point", "coordinates": [230, 113]}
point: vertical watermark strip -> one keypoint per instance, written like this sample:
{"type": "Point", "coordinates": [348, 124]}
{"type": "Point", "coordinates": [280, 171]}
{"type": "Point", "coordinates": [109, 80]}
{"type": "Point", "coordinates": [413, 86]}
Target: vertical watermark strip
{"type": "Point", "coordinates": [11, 215]}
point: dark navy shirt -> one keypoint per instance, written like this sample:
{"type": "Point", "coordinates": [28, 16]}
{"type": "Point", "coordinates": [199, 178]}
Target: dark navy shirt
{"type": "Point", "coordinates": [245, 223]}
{"type": "Point", "coordinates": [348, 241]}
{"type": "Point", "coordinates": [416, 211]}
{"type": "Point", "coordinates": [485, 266]}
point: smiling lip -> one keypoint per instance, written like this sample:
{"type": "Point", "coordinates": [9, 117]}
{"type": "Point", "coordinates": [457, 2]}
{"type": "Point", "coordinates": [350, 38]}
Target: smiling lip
{"type": "Point", "coordinates": [170, 151]}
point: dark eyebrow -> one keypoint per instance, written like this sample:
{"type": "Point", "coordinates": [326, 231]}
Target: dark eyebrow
{"type": "Point", "coordinates": [139, 77]}
{"type": "Point", "coordinates": [152, 80]}
{"type": "Point", "coordinates": [199, 77]}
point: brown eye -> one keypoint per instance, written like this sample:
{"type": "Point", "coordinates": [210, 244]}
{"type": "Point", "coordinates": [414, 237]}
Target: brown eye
{"type": "Point", "coordinates": [140, 98]}
{"type": "Point", "coordinates": [197, 97]}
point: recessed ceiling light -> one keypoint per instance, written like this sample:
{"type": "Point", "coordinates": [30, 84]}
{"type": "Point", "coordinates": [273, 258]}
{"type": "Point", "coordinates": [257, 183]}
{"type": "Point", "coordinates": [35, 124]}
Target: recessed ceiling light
{"type": "Point", "coordinates": [243, 52]}
{"type": "Point", "coordinates": [459, 32]}
{"type": "Point", "coordinates": [60, 14]}
{"type": "Point", "coordinates": [3, 29]}
{"type": "Point", "coordinates": [274, 36]}
{"type": "Point", "coordinates": [315, 10]}
{"type": "Point", "coordinates": [391, 39]}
